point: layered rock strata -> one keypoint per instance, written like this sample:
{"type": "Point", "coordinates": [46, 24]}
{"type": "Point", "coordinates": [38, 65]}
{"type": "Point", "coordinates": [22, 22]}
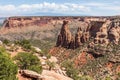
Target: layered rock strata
{"type": "Point", "coordinates": [102, 32]}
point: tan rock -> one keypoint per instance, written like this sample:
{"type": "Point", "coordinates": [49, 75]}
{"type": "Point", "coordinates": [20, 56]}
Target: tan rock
{"type": "Point", "coordinates": [65, 37]}
{"type": "Point", "coordinates": [85, 37]}
{"type": "Point", "coordinates": [78, 37]}
{"type": "Point", "coordinates": [54, 76]}
{"type": "Point", "coordinates": [46, 75]}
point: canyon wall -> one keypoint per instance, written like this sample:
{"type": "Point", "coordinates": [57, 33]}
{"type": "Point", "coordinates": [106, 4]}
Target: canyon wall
{"type": "Point", "coordinates": [12, 22]}
{"type": "Point", "coordinates": [101, 31]}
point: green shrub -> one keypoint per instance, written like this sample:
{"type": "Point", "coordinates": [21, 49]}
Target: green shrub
{"type": "Point", "coordinates": [8, 69]}
{"type": "Point", "coordinates": [43, 53]}
{"type": "Point", "coordinates": [24, 43]}
{"type": "Point", "coordinates": [85, 78]}
{"type": "Point", "coordinates": [36, 68]}
{"type": "Point", "coordinates": [108, 78]}
{"type": "Point", "coordinates": [119, 74]}
{"type": "Point", "coordinates": [28, 61]}
{"type": "Point", "coordinates": [50, 64]}
{"type": "Point", "coordinates": [6, 41]}
{"type": "Point", "coordinates": [71, 71]}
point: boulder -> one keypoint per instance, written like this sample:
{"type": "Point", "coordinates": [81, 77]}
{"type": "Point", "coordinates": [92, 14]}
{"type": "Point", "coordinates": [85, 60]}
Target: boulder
{"type": "Point", "coordinates": [51, 75]}
{"type": "Point", "coordinates": [46, 75]}
{"type": "Point", "coordinates": [31, 74]}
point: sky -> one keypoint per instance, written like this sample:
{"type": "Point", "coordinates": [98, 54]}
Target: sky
{"type": "Point", "coordinates": [59, 8]}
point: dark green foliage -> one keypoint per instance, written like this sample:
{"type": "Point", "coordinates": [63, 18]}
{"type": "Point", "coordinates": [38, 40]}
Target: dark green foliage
{"type": "Point", "coordinates": [6, 41]}
{"type": "Point", "coordinates": [24, 43]}
{"type": "Point", "coordinates": [36, 68]}
{"type": "Point", "coordinates": [44, 45]}
{"type": "Point", "coordinates": [28, 61]}
{"type": "Point", "coordinates": [71, 71]}
{"type": "Point", "coordinates": [8, 69]}
{"type": "Point", "coordinates": [108, 78]}
{"type": "Point", "coordinates": [119, 74]}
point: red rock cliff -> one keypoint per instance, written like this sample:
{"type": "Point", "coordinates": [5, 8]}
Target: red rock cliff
{"type": "Point", "coordinates": [102, 31]}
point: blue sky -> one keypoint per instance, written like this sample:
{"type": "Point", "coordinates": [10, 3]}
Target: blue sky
{"type": "Point", "coordinates": [59, 7]}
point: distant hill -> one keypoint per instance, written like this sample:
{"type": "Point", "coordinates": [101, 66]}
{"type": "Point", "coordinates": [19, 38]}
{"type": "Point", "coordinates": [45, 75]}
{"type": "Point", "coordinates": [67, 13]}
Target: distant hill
{"type": "Point", "coordinates": [54, 14]}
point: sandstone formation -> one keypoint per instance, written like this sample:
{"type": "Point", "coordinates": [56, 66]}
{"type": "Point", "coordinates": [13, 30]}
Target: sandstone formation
{"type": "Point", "coordinates": [24, 21]}
{"type": "Point", "coordinates": [65, 37]}
{"type": "Point", "coordinates": [102, 35]}
{"type": "Point", "coordinates": [101, 31]}
{"type": "Point", "coordinates": [31, 74]}
{"type": "Point", "coordinates": [46, 75]}
{"type": "Point", "coordinates": [114, 32]}
{"type": "Point", "coordinates": [12, 22]}
{"type": "Point", "coordinates": [78, 37]}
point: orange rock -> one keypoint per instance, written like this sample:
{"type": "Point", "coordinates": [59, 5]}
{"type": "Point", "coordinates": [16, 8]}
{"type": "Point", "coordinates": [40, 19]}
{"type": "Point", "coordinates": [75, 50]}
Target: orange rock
{"type": "Point", "coordinates": [81, 59]}
{"type": "Point", "coordinates": [65, 37]}
{"type": "Point", "coordinates": [109, 65]}
{"type": "Point", "coordinates": [78, 37]}
{"type": "Point", "coordinates": [118, 69]}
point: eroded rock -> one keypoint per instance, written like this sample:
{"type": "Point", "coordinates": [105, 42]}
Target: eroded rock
{"type": "Point", "coordinates": [65, 36]}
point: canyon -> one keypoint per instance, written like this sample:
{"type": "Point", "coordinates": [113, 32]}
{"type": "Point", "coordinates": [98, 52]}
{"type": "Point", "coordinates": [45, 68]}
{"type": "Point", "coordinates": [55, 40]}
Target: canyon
{"type": "Point", "coordinates": [91, 43]}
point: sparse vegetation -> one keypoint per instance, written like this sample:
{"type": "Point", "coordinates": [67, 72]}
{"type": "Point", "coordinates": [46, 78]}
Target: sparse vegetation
{"type": "Point", "coordinates": [24, 43]}
{"type": "Point", "coordinates": [71, 71]}
{"type": "Point", "coordinates": [6, 42]}
{"type": "Point", "coordinates": [45, 39]}
{"type": "Point", "coordinates": [29, 61]}
{"type": "Point", "coordinates": [50, 64]}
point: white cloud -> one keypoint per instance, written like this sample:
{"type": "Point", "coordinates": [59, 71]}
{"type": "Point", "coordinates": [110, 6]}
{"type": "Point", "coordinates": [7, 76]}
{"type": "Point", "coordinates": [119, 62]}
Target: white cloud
{"type": "Point", "coordinates": [44, 7]}
{"type": "Point", "coordinates": [7, 8]}
{"type": "Point", "coordinates": [112, 8]}
{"type": "Point", "coordinates": [95, 4]}
{"type": "Point", "coordinates": [65, 8]}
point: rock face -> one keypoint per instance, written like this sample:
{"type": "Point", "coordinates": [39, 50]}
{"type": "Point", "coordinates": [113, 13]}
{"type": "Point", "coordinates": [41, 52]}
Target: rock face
{"type": "Point", "coordinates": [65, 38]}
{"type": "Point", "coordinates": [102, 35]}
{"type": "Point", "coordinates": [31, 74]}
{"type": "Point", "coordinates": [25, 21]}
{"type": "Point", "coordinates": [102, 31]}
{"type": "Point", "coordinates": [13, 22]}
{"type": "Point", "coordinates": [78, 36]}
{"type": "Point", "coordinates": [46, 75]}
{"type": "Point", "coordinates": [114, 32]}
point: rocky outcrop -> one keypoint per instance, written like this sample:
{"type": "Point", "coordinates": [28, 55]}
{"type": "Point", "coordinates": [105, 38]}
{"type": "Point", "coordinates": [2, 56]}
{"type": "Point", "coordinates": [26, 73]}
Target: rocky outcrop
{"type": "Point", "coordinates": [81, 37]}
{"type": "Point", "coordinates": [65, 38]}
{"type": "Point", "coordinates": [46, 75]}
{"type": "Point", "coordinates": [31, 74]}
{"type": "Point", "coordinates": [114, 32]}
{"type": "Point", "coordinates": [25, 21]}
{"type": "Point", "coordinates": [85, 37]}
{"type": "Point", "coordinates": [101, 31]}
{"type": "Point", "coordinates": [78, 36]}
{"type": "Point", "coordinates": [102, 34]}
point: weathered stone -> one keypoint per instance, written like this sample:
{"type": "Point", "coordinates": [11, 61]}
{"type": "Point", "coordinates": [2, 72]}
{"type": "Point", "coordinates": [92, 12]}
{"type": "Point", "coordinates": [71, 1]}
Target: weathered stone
{"type": "Point", "coordinates": [65, 37]}
{"type": "Point", "coordinates": [31, 74]}
{"type": "Point", "coordinates": [78, 38]}
{"type": "Point", "coordinates": [46, 75]}
{"type": "Point", "coordinates": [85, 37]}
